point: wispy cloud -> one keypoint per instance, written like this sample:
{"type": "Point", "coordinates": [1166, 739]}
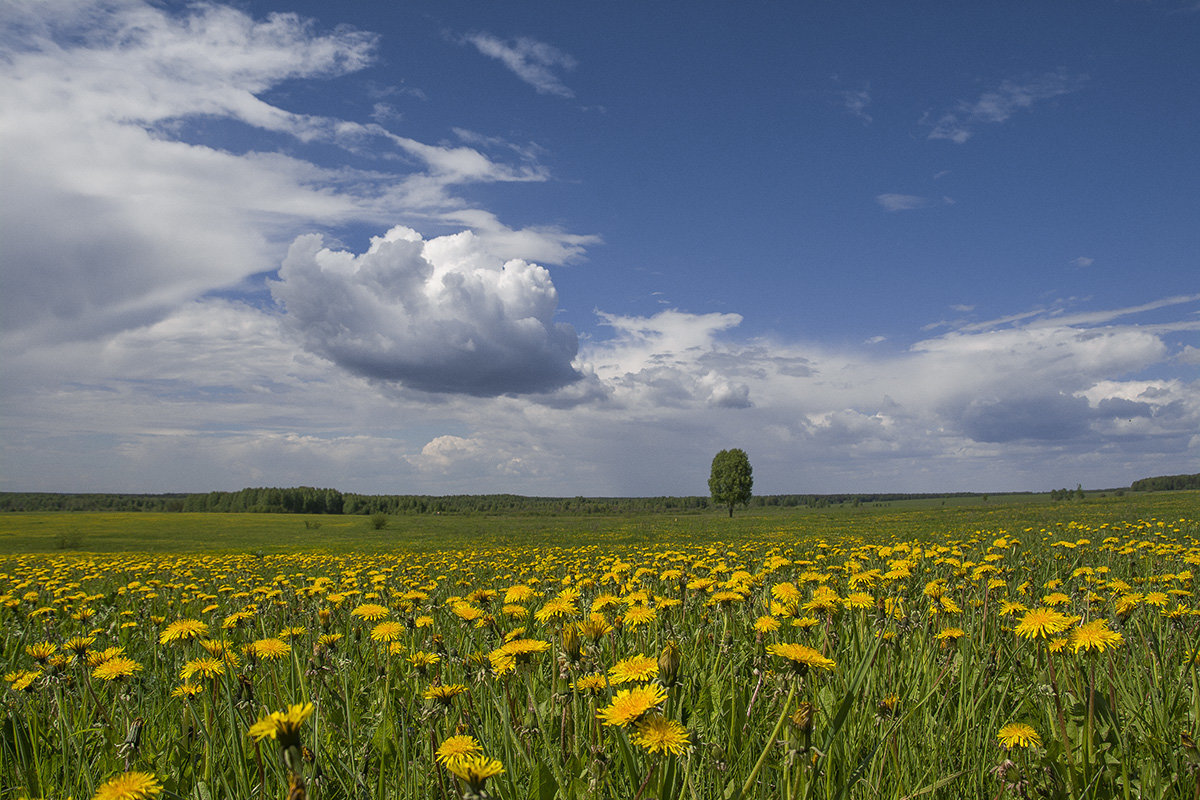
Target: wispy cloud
{"type": "Point", "coordinates": [530, 60]}
{"type": "Point", "coordinates": [998, 105]}
{"type": "Point", "coordinates": [901, 202]}
{"type": "Point", "coordinates": [856, 102]}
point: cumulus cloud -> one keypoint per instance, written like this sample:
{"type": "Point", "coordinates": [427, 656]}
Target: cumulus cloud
{"type": "Point", "coordinates": [530, 60]}
{"type": "Point", "coordinates": [118, 207]}
{"type": "Point", "coordinates": [444, 315]}
{"type": "Point", "coordinates": [998, 105]}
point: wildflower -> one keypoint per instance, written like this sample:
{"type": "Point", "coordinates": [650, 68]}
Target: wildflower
{"type": "Point", "coordinates": [638, 614]}
{"type": "Point", "coordinates": [79, 644]}
{"type": "Point", "coordinates": [269, 648]}
{"type": "Point", "coordinates": [456, 748]}
{"type": "Point", "coordinates": [371, 612]}
{"type": "Point", "coordinates": [116, 668]}
{"type": "Point", "coordinates": [444, 694]}
{"type": "Point", "coordinates": [766, 624]}
{"type": "Point", "coordinates": [800, 657]}
{"type": "Point", "coordinates": [1042, 623]}
{"type": "Point", "coordinates": [658, 734]}
{"type": "Point", "coordinates": [129, 786]}
{"type": "Point", "coordinates": [423, 661]}
{"type": "Point", "coordinates": [388, 631]}
{"type": "Point", "coordinates": [475, 770]}
{"type": "Point", "coordinates": [1018, 734]}
{"type": "Point", "coordinates": [283, 726]}
{"type": "Point", "coordinates": [187, 690]}
{"type": "Point", "coordinates": [948, 636]}
{"type": "Point", "coordinates": [630, 705]}
{"type": "Point", "coordinates": [635, 668]}
{"type": "Point", "coordinates": [41, 651]}
{"type": "Point", "coordinates": [595, 683]}
{"type": "Point", "coordinates": [206, 667]}
{"type": "Point", "coordinates": [183, 630]}
{"type": "Point", "coordinates": [1095, 635]}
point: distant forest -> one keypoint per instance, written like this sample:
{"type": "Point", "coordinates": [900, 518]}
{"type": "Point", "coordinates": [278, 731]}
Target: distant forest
{"type": "Point", "coordinates": [1165, 483]}
{"type": "Point", "coordinates": [308, 500]}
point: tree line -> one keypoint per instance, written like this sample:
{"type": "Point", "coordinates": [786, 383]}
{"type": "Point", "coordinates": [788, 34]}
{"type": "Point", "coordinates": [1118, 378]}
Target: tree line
{"type": "Point", "coordinates": [1165, 483]}
{"type": "Point", "coordinates": [311, 500]}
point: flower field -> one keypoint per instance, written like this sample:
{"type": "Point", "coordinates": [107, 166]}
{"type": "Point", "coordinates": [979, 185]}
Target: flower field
{"type": "Point", "coordinates": [1055, 659]}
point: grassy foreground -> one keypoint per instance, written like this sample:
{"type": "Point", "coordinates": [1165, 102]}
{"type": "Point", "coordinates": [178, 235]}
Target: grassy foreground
{"type": "Point", "coordinates": [979, 650]}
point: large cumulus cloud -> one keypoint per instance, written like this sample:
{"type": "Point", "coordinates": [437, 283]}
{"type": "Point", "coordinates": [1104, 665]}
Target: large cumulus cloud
{"type": "Point", "coordinates": [443, 315]}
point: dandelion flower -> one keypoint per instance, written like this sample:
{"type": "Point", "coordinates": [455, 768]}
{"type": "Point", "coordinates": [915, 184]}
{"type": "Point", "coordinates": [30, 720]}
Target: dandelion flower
{"type": "Point", "coordinates": [630, 705]}
{"type": "Point", "coordinates": [1018, 734]}
{"type": "Point", "coordinates": [371, 612]}
{"type": "Point", "coordinates": [457, 748]}
{"type": "Point", "coordinates": [766, 624]}
{"type": "Point", "coordinates": [475, 770]}
{"type": "Point", "coordinates": [635, 668]}
{"type": "Point", "coordinates": [283, 726]}
{"type": "Point", "coordinates": [116, 668]}
{"type": "Point", "coordinates": [204, 667]}
{"type": "Point", "coordinates": [1095, 635]}
{"type": "Point", "coordinates": [444, 694]}
{"type": "Point", "coordinates": [1042, 623]}
{"type": "Point", "coordinates": [269, 648]}
{"type": "Point", "coordinates": [800, 657]}
{"type": "Point", "coordinates": [129, 786]}
{"type": "Point", "coordinates": [658, 734]}
{"type": "Point", "coordinates": [590, 683]}
{"type": "Point", "coordinates": [387, 631]}
{"type": "Point", "coordinates": [183, 630]}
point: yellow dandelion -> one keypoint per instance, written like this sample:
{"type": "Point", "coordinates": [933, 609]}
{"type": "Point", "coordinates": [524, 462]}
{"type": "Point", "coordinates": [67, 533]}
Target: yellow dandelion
{"type": "Point", "coordinates": [475, 770]}
{"type": "Point", "coordinates": [129, 786]}
{"type": "Point", "coordinates": [183, 630]}
{"type": "Point", "coordinates": [635, 668]}
{"type": "Point", "coordinates": [388, 631]}
{"type": "Point", "coordinates": [1094, 635]}
{"type": "Point", "coordinates": [629, 705]}
{"type": "Point", "coordinates": [116, 668]}
{"type": "Point", "coordinates": [1018, 734]}
{"type": "Point", "coordinates": [801, 658]}
{"type": "Point", "coordinates": [1042, 623]}
{"type": "Point", "coordinates": [457, 748]}
{"type": "Point", "coordinates": [657, 734]}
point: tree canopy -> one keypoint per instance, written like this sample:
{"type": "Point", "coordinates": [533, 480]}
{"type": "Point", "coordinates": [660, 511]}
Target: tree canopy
{"type": "Point", "coordinates": [731, 478]}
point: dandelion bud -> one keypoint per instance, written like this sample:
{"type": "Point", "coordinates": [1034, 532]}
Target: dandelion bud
{"type": "Point", "coordinates": [802, 718]}
{"type": "Point", "coordinates": [668, 664]}
{"type": "Point", "coordinates": [570, 642]}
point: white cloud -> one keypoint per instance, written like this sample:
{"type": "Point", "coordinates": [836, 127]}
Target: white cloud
{"type": "Point", "coordinates": [856, 102]}
{"type": "Point", "coordinates": [444, 315]}
{"type": "Point", "coordinates": [998, 105]}
{"type": "Point", "coordinates": [1083, 261]}
{"type": "Point", "coordinates": [901, 202]}
{"type": "Point", "coordinates": [115, 210]}
{"type": "Point", "coordinates": [530, 60]}
{"type": "Point", "coordinates": [1014, 406]}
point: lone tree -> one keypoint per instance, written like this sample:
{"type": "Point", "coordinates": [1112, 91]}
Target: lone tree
{"type": "Point", "coordinates": [731, 478]}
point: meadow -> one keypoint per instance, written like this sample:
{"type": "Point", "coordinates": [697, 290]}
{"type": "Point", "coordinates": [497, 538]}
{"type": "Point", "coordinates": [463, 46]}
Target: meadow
{"type": "Point", "coordinates": [1008, 648]}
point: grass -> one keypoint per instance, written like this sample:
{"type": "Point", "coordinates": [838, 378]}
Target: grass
{"type": "Point", "coordinates": [116, 532]}
{"type": "Point", "coordinates": [854, 653]}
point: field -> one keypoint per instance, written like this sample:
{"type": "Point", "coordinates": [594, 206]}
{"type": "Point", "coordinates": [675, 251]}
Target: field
{"type": "Point", "coordinates": [1008, 648]}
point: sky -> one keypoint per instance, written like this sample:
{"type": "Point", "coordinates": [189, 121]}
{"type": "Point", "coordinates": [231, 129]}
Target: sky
{"type": "Point", "coordinates": [559, 249]}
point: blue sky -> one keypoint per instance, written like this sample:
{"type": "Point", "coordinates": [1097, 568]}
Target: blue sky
{"type": "Point", "coordinates": [561, 249]}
